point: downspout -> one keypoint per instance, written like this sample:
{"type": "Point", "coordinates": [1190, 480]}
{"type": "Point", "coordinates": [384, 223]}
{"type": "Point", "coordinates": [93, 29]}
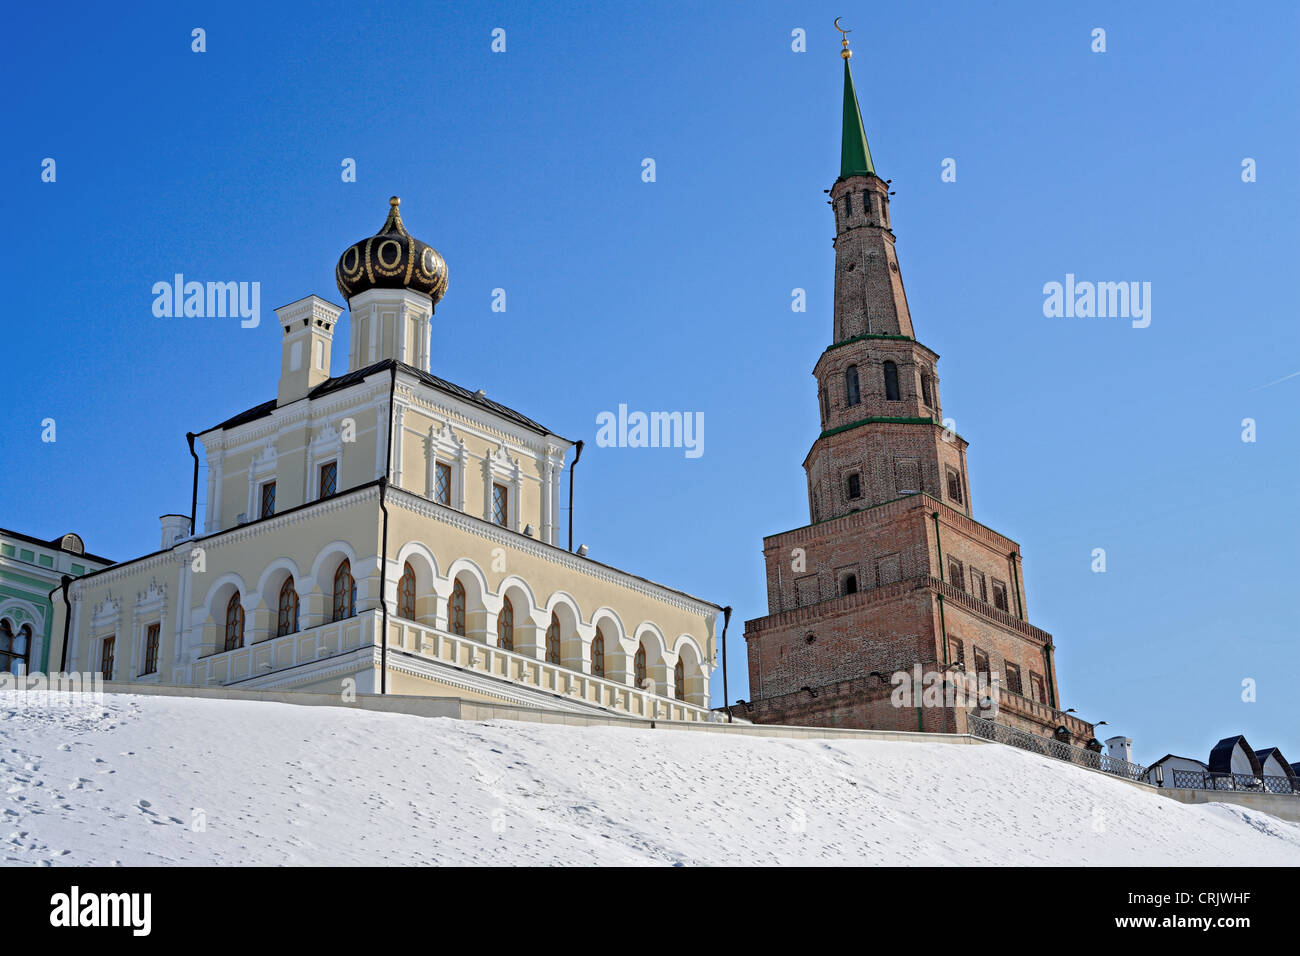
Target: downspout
{"type": "Point", "coordinates": [726, 620]}
{"type": "Point", "coordinates": [943, 624]}
{"type": "Point", "coordinates": [383, 548]}
{"type": "Point", "coordinates": [194, 493]}
{"type": "Point", "coordinates": [1015, 576]}
{"type": "Point", "coordinates": [938, 543]}
{"type": "Point", "coordinates": [67, 617]}
{"type": "Point", "coordinates": [576, 458]}
{"type": "Point", "coordinates": [1051, 678]}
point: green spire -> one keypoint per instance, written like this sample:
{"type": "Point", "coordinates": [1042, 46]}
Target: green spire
{"type": "Point", "coordinates": [855, 154]}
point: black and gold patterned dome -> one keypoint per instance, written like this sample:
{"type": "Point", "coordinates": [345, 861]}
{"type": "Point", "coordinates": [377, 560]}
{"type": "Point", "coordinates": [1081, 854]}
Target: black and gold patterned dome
{"type": "Point", "coordinates": [392, 259]}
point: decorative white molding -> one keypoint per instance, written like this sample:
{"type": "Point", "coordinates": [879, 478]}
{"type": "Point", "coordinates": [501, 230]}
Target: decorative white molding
{"type": "Point", "coordinates": [500, 468]}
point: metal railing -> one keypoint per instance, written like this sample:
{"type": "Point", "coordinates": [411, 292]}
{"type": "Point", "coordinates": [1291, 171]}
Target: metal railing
{"type": "Point", "coordinates": [1050, 747]}
{"type": "Point", "coordinates": [1248, 782]}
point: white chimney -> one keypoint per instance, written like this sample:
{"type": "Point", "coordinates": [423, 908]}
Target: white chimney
{"type": "Point", "coordinates": [174, 528]}
{"type": "Point", "coordinates": [1121, 748]}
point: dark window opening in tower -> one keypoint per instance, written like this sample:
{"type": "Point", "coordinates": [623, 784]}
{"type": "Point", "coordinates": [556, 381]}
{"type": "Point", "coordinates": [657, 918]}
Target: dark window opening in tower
{"type": "Point", "coordinates": [855, 486]}
{"type": "Point", "coordinates": [866, 205]}
{"type": "Point", "coordinates": [927, 395]}
{"type": "Point", "coordinates": [821, 397]}
{"type": "Point", "coordinates": [852, 393]}
{"type": "Point", "coordinates": [848, 204]}
{"type": "Point", "coordinates": [954, 485]}
{"type": "Point", "coordinates": [891, 381]}
{"type": "Point", "coordinates": [850, 584]}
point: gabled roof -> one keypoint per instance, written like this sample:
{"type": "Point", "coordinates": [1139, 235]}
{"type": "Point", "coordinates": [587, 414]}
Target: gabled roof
{"type": "Point", "coordinates": [1267, 752]}
{"type": "Point", "coordinates": [1221, 755]}
{"type": "Point", "coordinates": [1176, 757]}
{"type": "Point", "coordinates": [425, 378]}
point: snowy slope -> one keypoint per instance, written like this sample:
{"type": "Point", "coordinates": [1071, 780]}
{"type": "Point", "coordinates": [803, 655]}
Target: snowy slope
{"type": "Point", "coordinates": [281, 784]}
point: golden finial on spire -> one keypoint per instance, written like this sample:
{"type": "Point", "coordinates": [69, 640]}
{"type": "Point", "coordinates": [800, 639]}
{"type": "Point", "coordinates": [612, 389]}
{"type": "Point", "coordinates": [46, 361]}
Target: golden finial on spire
{"type": "Point", "coordinates": [846, 53]}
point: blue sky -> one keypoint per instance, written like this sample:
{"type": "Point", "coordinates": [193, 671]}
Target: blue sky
{"type": "Point", "coordinates": [524, 170]}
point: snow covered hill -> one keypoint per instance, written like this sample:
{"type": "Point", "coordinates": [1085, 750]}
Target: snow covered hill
{"type": "Point", "coordinates": [155, 780]}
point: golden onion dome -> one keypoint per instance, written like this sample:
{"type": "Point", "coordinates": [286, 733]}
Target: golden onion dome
{"type": "Point", "coordinates": [392, 259]}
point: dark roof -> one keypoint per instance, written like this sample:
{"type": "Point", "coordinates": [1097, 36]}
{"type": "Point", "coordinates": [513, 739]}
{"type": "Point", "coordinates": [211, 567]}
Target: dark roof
{"type": "Point", "coordinates": [1176, 757]}
{"type": "Point", "coordinates": [1221, 755]}
{"type": "Point", "coordinates": [56, 544]}
{"type": "Point", "coordinates": [1267, 752]}
{"type": "Point", "coordinates": [352, 378]}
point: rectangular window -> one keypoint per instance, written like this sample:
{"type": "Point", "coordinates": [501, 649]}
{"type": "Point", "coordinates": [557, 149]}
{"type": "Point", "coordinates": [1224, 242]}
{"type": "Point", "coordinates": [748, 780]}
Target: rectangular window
{"type": "Point", "coordinates": [848, 204]}
{"type": "Point", "coordinates": [151, 649]}
{"type": "Point", "coordinates": [1000, 596]}
{"type": "Point", "coordinates": [855, 486]}
{"type": "Point", "coordinates": [106, 658]}
{"type": "Point", "coordinates": [1013, 679]}
{"type": "Point", "coordinates": [500, 505]}
{"type": "Point", "coordinates": [1038, 688]}
{"type": "Point", "coordinates": [442, 483]}
{"type": "Point", "coordinates": [954, 485]}
{"type": "Point", "coordinates": [958, 653]}
{"type": "Point", "coordinates": [268, 500]}
{"type": "Point", "coordinates": [956, 577]}
{"type": "Point", "coordinates": [925, 390]}
{"type": "Point", "coordinates": [978, 585]}
{"type": "Point", "coordinates": [982, 662]}
{"type": "Point", "coordinates": [329, 479]}
{"type": "Point", "coordinates": [866, 204]}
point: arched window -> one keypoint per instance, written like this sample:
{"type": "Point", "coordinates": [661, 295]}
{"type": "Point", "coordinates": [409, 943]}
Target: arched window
{"type": "Point", "coordinates": [14, 648]}
{"type": "Point", "coordinates": [638, 666]}
{"type": "Point", "coordinates": [345, 592]}
{"type": "Point", "coordinates": [506, 626]}
{"type": "Point", "coordinates": [406, 593]}
{"type": "Point", "coordinates": [234, 623]}
{"type": "Point", "coordinates": [927, 394]}
{"type": "Point", "coordinates": [598, 654]}
{"type": "Point", "coordinates": [891, 381]}
{"type": "Point", "coordinates": [850, 584]}
{"type": "Point", "coordinates": [456, 612]}
{"type": "Point", "coordinates": [851, 392]}
{"type": "Point", "coordinates": [287, 620]}
{"type": "Point", "coordinates": [553, 640]}
{"type": "Point", "coordinates": [679, 680]}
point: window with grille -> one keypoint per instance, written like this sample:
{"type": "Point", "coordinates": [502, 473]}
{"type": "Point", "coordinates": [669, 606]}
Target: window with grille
{"type": "Point", "coordinates": [553, 640]}
{"type": "Point", "coordinates": [598, 654]}
{"type": "Point", "coordinates": [151, 648]}
{"type": "Point", "coordinates": [406, 593]}
{"type": "Point", "coordinates": [268, 500]}
{"type": "Point", "coordinates": [891, 381]}
{"type": "Point", "coordinates": [500, 505]}
{"type": "Point", "coordinates": [456, 609]}
{"type": "Point", "coordinates": [852, 394]}
{"type": "Point", "coordinates": [1000, 596]}
{"type": "Point", "coordinates": [329, 478]}
{"type": "Point", "coordinates": [15, 648]}
{"type": "Point", "coordinates": [956, 577]}
{"type": "Point", "coordinates": [855, 486]}
{"type": "Point", "coordinates": [345, 592]}
{"type": "Point", "coordinates": [506, 626]}
{"type": "Point", "coordinates": [442, 483]}
{"type": "Point", "coordinates": [286, 618]}
{"type": "Point", "coordinates": [954, 485]}
{"type": "Point", "coordinates": [106, 657]}
{"type": "Point", "coordinates": [1013, 679]}
{"type": "Point", "coordinates": [679, 680]}
{"type": "Point", "coordinates": [234, 623]}
{"type": "Point", "coordinates": [638, 666]}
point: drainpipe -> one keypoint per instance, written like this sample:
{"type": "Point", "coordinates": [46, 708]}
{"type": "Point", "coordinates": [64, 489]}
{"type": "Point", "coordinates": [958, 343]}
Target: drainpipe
{"type": "Point", "coordinates": [383, 547]}
{"type": "Point", "coordinates": [1051, 678]}
{"type": "Point", "coordinates": [726, 619]}
{"type": "Point", "coordinates": [194, 493]}
{"type": "Point", "coordinates": [1015, 576]}
{"type": "Point", "coordinates": [576, 458]}
{"type": "Point", "coordinates": [67, 617]}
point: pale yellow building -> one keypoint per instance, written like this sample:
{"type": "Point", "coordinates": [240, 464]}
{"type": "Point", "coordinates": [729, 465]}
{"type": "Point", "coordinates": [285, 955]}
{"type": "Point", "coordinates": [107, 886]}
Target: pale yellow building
{"type": "Point", "coordinates": [389, 481]}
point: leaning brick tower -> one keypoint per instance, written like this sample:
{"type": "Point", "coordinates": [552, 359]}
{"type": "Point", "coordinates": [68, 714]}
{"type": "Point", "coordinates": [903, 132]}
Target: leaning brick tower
{"type": "Point", "coordinates": [892, 573]}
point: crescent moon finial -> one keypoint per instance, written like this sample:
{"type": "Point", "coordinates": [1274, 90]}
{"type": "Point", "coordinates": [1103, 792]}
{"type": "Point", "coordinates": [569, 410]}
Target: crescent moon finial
{"type": "Point", "coordinates": [846, 53]}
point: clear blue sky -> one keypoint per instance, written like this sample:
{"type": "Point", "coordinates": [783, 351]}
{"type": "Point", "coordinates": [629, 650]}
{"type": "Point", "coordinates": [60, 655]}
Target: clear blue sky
{"type": "Point", "coordinates": [524, 170]}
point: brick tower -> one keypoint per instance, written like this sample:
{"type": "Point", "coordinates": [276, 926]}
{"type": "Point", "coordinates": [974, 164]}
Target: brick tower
{"type": "Point", "coordinates": [892, 574]}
